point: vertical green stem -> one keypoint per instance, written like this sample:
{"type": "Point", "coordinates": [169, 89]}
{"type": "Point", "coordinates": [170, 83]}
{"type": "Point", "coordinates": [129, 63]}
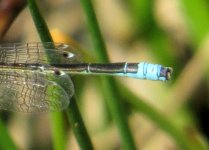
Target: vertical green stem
{"type": "Point", "coordinates": [97, 39]}
{"type": "Point", "coordinates": [58, 127]}
{"type": "Point", "coordinates": [196, 16]}
{"type": "Point", "coordinates": [6, 142]}
{"type": "Point", "coordinates": [78, 126]}
{"type": "Point", "coordinates": [108, 84]}
{"type": "Point", "coordinates": [59, 137]}
{"type": "Point", "coordinates": [39, 22]}
{"type": "Point", "coordinates": [159, 119]}
{"type": "Point", "coordinates": [118, 113]}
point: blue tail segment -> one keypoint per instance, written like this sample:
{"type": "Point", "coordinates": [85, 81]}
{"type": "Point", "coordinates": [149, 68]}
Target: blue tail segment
{"type": "Point", "coordinates": [151, 72]}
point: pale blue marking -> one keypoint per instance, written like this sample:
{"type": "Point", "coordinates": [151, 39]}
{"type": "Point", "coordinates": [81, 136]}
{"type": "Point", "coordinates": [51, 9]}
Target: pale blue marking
{"type": "Point", "coordinates": [146, 71]}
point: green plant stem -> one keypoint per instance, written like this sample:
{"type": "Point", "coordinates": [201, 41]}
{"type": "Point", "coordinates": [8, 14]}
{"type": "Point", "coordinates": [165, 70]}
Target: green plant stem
{"type": "Point", "coordinates": [196, 16]}
{"type": "Point", "coordinates": [39, 22]}
{"type": "Point", "coordinates": [108, 84]}
{"type": "Point", "coordinates": [155, 116]}
{"type": "Point", "coordinates": [118, 113]}
{"type": "Point", "coordinates": [58, 127]}
{"type": "Point", "coordinates": [78, 126]}
{"type": "Point", "coordinates": [97, 39]}
{"type": "Point", "coordinates": [58, 131]}
{"type": "Point", "coordinates": [6, 141]}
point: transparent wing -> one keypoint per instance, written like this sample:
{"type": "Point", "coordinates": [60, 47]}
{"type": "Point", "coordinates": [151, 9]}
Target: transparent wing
{"type": "Point", "coordinates": [37, 53]}
{"type": "Point", "coordinates": [29, 91]}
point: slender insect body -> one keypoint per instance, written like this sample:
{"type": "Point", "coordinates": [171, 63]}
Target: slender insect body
{"type": "Point", "coordinates": [28, 83]}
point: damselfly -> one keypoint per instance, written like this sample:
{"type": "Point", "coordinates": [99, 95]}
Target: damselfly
{"type": "Point", "coordinates": [28, 83]}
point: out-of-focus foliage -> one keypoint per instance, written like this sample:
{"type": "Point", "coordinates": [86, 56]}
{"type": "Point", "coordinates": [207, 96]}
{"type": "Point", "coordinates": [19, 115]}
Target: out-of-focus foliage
{"type": "Point", "coordinates": [172, 33]}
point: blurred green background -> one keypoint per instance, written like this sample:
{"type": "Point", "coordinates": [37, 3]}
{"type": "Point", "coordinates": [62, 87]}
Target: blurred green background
{"type": "Point", "coordinates": [173, 33]}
